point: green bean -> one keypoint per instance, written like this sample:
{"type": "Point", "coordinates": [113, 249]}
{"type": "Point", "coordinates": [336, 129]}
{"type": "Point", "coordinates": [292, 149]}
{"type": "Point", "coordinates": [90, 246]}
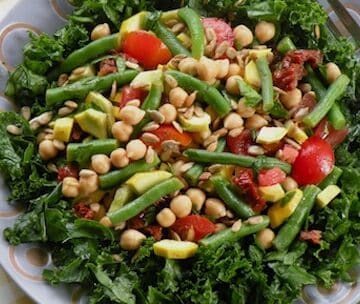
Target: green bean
{"type": "Point", "coordinates": [117, 177]}
{"type": "Point", "coordinates": [169, 39]}
{"type": "Point", "coordinates": [267, 91]}
{"type": "Point", "coordinates": [145, 200]}
{"type": "Point", "coordinates": [335, 91]}
{"type": "Point", "coordinates": [79, 90]}
{"type": "Point", "coordinates": [230, 198]}
{"type": "Point", "coordinates": [205, 91]}
{"type": "Point", "coordinates": [82, 152]}
{"type": "Point", "coordinates": [260, 162]}
{"type": "Point", "coordinates": [332, 178]}
{"type": "Point", "coordinates": [292, 227]}
{"type": "Point", "coordinates": [87, 53]}
{"type": "Point", "coordinates": [193, 174]}
{"type": "Point", "coordinates": [335, 116]}
{"type": "Point", "coordinates": [152, 102]}
{"type": "Point", "coordinates": [230, 236]}
{"type": "Point", "coordinates": [285, 45]}
{"type": "Point", "coordinates": [193, 22]}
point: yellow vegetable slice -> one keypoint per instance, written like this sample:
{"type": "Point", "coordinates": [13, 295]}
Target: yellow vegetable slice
{"type": "Point", "coordinates": [177, 250]}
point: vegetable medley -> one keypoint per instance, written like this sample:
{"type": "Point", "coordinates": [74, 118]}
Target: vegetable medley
{"type": "Point", "coordinates": [191, 156]}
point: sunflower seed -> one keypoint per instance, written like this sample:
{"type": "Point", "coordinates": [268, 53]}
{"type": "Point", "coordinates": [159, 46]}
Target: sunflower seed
{"type": "Point", "coordinates": [301, 113]}
{"type": "Point", "coordinates": [205, 176]}
{"type": "Point", "coordinates": [255, 150]}
{"type": "Point", "coordinates": [221, 49]}
{"type": "Point", "coordinates": [216, 123]}
{"type": "Point", "coordinates": [317, 31]}
{"type": "Point", "coordinates": [210, 34]}
{"type": "Point", "coordinates": [174, 236]}
{"type": "Point", "coordinates": [212, 147]}
{"type": "Point", "coordinates": [171, 22]}
{"type": "Point", "coordinates": [133, 65]}
{"type": "Point", "coordinates": [190, 236]}
{"type": "Point", "coordinates": [134, 102]}
{"type": "Point", "coordinates": [170, 81]}
{"type": "Point", "coordinates": [34, 125]}
{"type": "Point", "coordinates": [210, 48]}
{"type": "Point", "coordinates": [210, 140]}
{"type": "Point", "coordinates": [151, 126]}
{"type": "Point", "coordinates": [178, 27]}
{"type": "Point", "coordinates": [229, 214]}
{"type": "Point", "coordinates": [177, 126]}
{"type": "Point", "coordinates": [62, 80]}
{"type": "Point", "coordinates": [215, 168]}
{"type": "Point", "coordinates": [255, 220]}
{"type": "Point", "coordinates": [113, 90]}
{"type": "Point", "coordinates": [278, 123]}
{"type": "Point", "coordinates": [49, 136]}
{"type": "Point", "coordinates": [231, 53]}
{"type": "Point", "coordinates": [190, 99]}
{"type": "Point", "coordinates": [52, 167]}
{"type": "Point", "coordinates": [219, 227]}
{"type": "Point", "coordinates": [44, 118]}
{"type": "Point", "coordinates": [14, 130]}
{"type": "Point", "coordinates": [186, 167]}
{"type": "Point", "coordinates": [305, 87]}
{"type": "Point", "coordinates": [120, 226]}
{"type": "Point", "coordinates": [281, 91]}
{"type": "Point", "coordinates": [189, 113]}
{"type": "Point", "coordinates": [25, 112]}
{"type": "Point", "coordinates": [58, 144]}
{"type": "Point", "coordinates": [236, 132]}
{"type": "Point", "coordinates": [292, 143]}
{"type": "Point", "coordinates": [150, 155]}
{"type": "Point", "coordinates": [71, 104]}
{"type": "Point", "coordinates": [65, 111]}
{"type": "Point", "coordinates": [198, 111]}
{"type": "Point", "coordinates": [156, 116]}
{"type": "Point", "coordinates": [221, 132]}
{"type": "Point", "coordinates": [150, 138]}
{"type": "Point", "coordinates": [236, 226]}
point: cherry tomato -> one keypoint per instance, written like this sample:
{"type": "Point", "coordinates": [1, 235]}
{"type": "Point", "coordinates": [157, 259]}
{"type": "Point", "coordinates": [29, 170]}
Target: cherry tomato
{"type": "Point", "coordinates": [128, 93]}
{"type": "Point", "coordinates": [289, 154]}
{"type": "Point", "coordinates": [244, 179]}
{"type": "Point", "coordinates": [168, 132]}
{"type": "Point", "coordinates": [271, 177]}
{"type": "Point", "coordinates": [146, 48]}
{"type": "Point", "coordinates": [67, 171]}
{"type": "Point", "coordinates": [241, 143]}
{"type": "Point", "coordinates": [314, 162]}
{"type": "Point", "coordinates": [326, 131]}
{"type": "Point", "coordinates": [201, 225]}
{"type": "Point", "coordinates": [222, 30]}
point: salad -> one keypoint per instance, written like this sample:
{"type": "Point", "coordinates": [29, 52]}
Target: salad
{"type": "Point", "coordinates": [200, 152]}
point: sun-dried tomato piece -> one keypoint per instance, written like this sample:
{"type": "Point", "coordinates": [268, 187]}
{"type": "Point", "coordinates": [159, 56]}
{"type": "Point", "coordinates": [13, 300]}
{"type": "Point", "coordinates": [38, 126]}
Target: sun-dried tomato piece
{"type": "Point", "coordinates": [67, 171]}
{"type": "Point", "coordinates": [107, 66]}
{"type": "Point", "coordinates": [82, 210]}
{"type": "Point", "coordinates": [312, 236]}
{"type": "Point", "coordinates": [136, 222]}
{"type": "Point", "coordinates": [76, 133]}
{"type": "Point", "coordinates": [155, 231]}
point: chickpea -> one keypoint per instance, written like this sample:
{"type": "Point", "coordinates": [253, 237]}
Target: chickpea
{"type": "Point", "coordinates": [169, 112]}
{"type": "Point", "coordinates": [100, 163]}
{"type": "Point", "coordinates": [289, 184]}
{"type": "Point", "coordinates": [135, 149]}
{"type": "Point", "coordinates": [233, 121]}
{"type": "Point", "coordinates": [181, 205]}
{"type": "Point", "coordinates": [265, 237]}
{"type": "Point", "coordinates": [291, 99]}
{"type": "Point", "coordinates": [100, 31]}
{"type": "Point", "coordinates": [105, 221]}
{"type": "Point", "coordinates": [215, 208]}
{"type": "Point", "coordinates": [121, 131]}
{"type": "Point", "coordinates": [243, 110]}
{"type": "Point", "coordinates": [70, 187]}
{"type": "Point", "coordinates": [256, 122]}
{"type": "Point", "coordinates": [119, 158]}
{"type": "Point", "coordinates": [222, 68]}
{"type": "Point", "coordinates": [166, 217]}
{"type": "Point", "coordinates": [234, 69]}
{"type": "Point", "coordinates": [131, 239]}
{"type": "Point", "coordinates": [131, 115]}
{"type": "Point", "coordinates": [88, 181]}
{"type": "Point", "coordinates": [188, 65]}
{"type": "Point", "coordinates": [243, 35]}
{"type": "Point", "coordinates": [177, 97]}
{"type": "Point", "coordinates": [264, 31]}
{"type": "Point", "coordinates": [207, 69]}
{"type": "Point", "coordinates": [197, 197]}
{"type": "Point", "coordinates": [47, 149]}
{"type": "Point", "coordinates": [232, 85]}
{"type": "Point", "coordinates": [332, 72]}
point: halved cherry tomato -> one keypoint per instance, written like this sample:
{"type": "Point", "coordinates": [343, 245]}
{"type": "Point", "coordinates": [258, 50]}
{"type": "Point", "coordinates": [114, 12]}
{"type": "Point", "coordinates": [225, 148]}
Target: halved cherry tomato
{"type": "Point", "coordinates": [241, 143]}
{"type": "Point", "coordinates": [146, 48]}
{"type": "Point", "coordinates": [244, 179]}
{"type": "Point", "coordinates": [326, 131]}
{"type": "Point", "coordinates": [315, 161]}
{"type": "Point", "coordinates": [222, 30]}
{"type": "Point", "coordinates": [271, 177]}
{"type": "Point", "coordinates": [128, 93]}
{"type": "Point", "coordinates": [201, 225]}
{"type": "Point", "coordinates": [289, 154]}
{"type": "Point", "coordinates": [168, 132]}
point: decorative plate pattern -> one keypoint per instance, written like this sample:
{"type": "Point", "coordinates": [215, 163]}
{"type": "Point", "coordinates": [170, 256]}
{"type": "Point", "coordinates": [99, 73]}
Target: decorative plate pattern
{"type": "Point", "coordinates": [25, 263]}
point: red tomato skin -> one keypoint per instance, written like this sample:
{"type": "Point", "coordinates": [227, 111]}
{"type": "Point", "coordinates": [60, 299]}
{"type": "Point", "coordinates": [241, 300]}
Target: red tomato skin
{"type": "Point", "coordinates": [315, 161]}
{"type": "Point", "coordinates": [168, 132]}
{"type": "Point", "coordinates": [326, 131]}
{"type": "Point", "coordinates": [128, 93]}
{"type": "Point", "coordinates": [201, 225]}
{"type": "Point", "coordinates": [146, 48]}
{"type": "Point", "coordinates": [241, 143]}
{"type": "Point", "coordinates": [222, 30]}
{"type": "Point", "coordinates": [289, 154]}
{"type": "Point", "coordinates": [271, 177]}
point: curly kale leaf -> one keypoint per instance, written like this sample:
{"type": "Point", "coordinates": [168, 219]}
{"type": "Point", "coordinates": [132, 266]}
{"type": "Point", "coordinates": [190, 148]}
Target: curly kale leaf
{"type": "Point", "coordinates": [71, 37]}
